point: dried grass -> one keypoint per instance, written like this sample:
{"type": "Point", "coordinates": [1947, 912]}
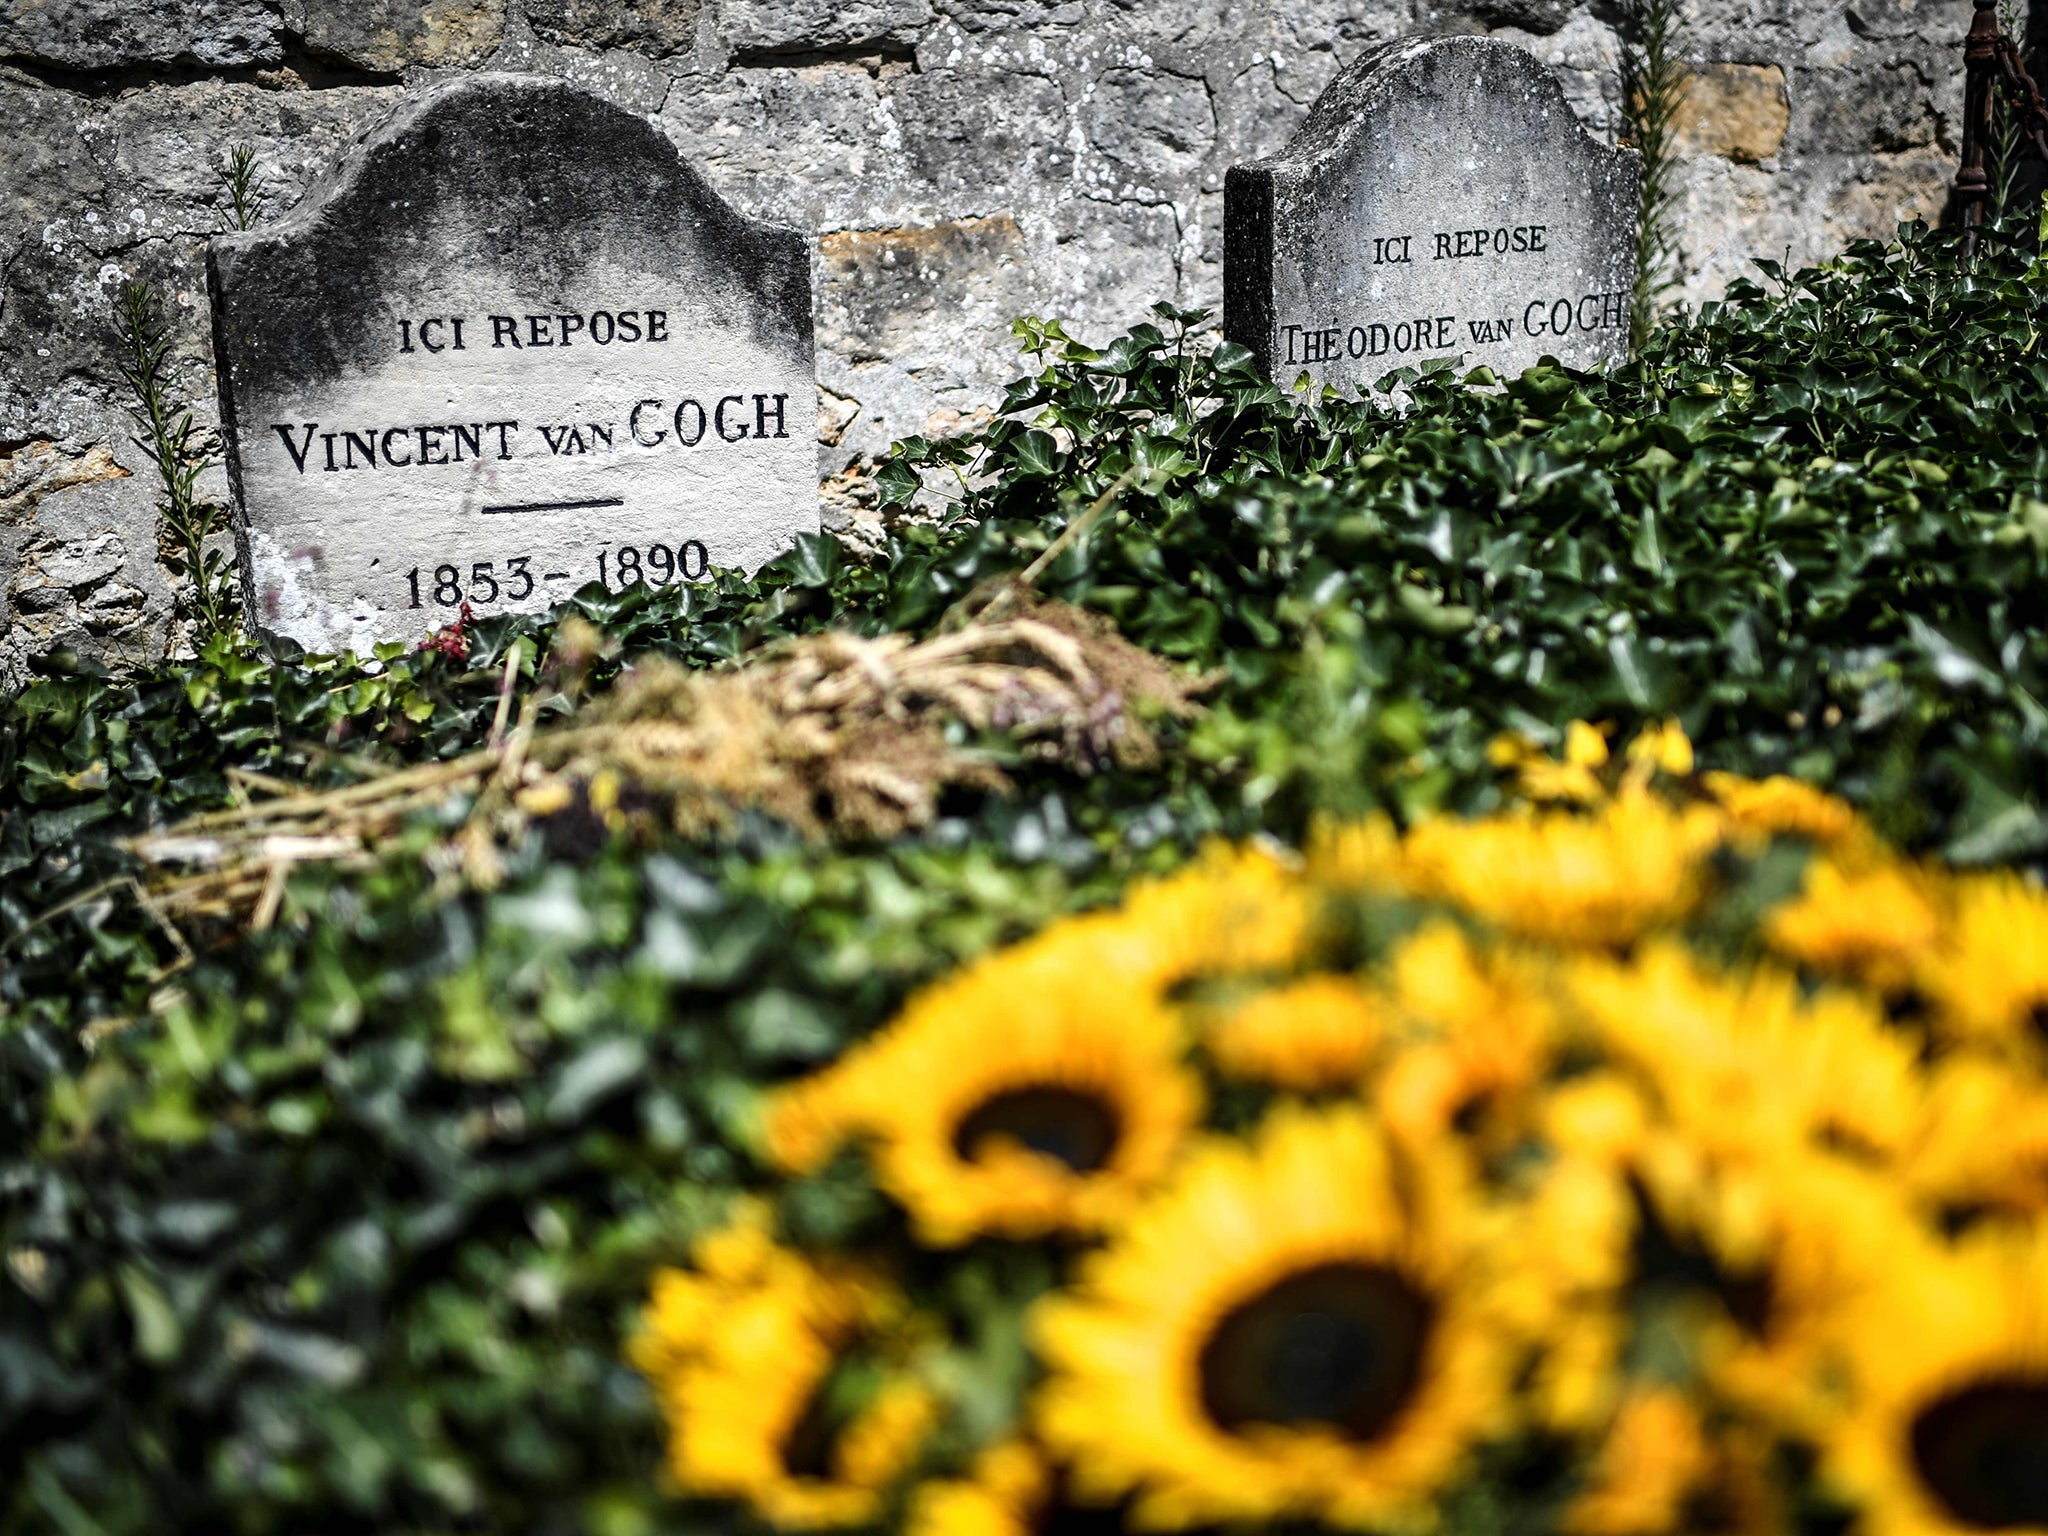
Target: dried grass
{"type": "Point", "coordinates": [836, 734]}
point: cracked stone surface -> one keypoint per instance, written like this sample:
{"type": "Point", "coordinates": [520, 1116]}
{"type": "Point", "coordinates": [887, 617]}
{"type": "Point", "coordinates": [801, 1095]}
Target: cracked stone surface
{"type": "Point", "coordinates": [956, 162]}
{"type": "Point", "coordinates": [656, 28]}
{"type": "Point", "coordinates": [812, 25]}
{"type": "Point", "coordinates": [618, 313]}
{"type": "Point", "coordinates": [1376, 239]}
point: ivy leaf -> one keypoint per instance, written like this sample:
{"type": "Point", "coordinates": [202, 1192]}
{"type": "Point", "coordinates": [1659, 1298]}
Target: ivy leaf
{"type": "Point", "coordinates": [1035, 452]}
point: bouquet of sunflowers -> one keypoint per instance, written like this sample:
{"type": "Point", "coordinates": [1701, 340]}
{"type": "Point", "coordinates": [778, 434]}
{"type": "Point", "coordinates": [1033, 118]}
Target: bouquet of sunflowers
{"type": "Point", "coordinates": [1661, 1154]}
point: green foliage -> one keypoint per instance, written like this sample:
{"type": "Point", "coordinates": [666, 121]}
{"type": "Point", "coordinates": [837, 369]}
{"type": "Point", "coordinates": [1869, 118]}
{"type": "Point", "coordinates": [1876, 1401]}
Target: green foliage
{"type": "Point", "coordinates": [1653, 86]}
{"type": "Point", "coordinates": [2010, 163]}
{"type": "Point", "coordinates": [238, 183]}
{"type": "Point", "coordinates": [181, 452]}
{"type": "Point", "coordinates": [340, 1225]}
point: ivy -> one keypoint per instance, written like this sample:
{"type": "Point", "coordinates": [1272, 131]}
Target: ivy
{"type": "Point", "coordinates": [339, 1224]}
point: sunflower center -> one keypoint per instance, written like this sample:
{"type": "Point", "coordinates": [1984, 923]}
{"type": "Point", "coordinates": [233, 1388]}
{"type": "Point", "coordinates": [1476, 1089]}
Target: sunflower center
{"type": "Point", "coordinates": [1984, 1453]}
{"type": "Point", "coordinates": [1339, 1345]}
{"type": "Point", "coordinates": [1062, 1517]}
{"type": "Point", "coordinates": [807, 1446]}
{"type": "Point", "coordinates": [1075, 1128]}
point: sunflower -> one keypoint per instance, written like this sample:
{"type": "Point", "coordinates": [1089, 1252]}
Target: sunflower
{"type": "Point", "coordinates": [1004, 1496]}
{"type": "Point", "coordinates": [1989, 978]}
{"type": "Point", "coordinates": [1598, 879]}
{"type": "Point", "coordinates": [1598, 1116]}
{"type": "Point", "coordinates": [1569, 1224]}
{"type": "Point", "coordinates": [1654, 1457]}
{"type": "Point", "coordinates": [1948, 1433]}
{"type": "Point", "coordinates": [803, 1123]}
{"type": "Point", "coordinates": [1033, 1094]}
{"type": "Point", "coordinates": [744, 1354]}
{"type": "Point", "coordinates": [1296, 1326]}
{"type": "Point", "coordinates": [1662, 748]}
{"type": "Point", "coordinates": [1875, 920]}
{"type": "Point", "coordinates": [1477, 1033]}
{"type": "Point", "coordinates": [1011, 1492]}
{"type": "Point", "coordinates": [1764, 1160]}
{"type": "Point", "coordinates": [1746, 1063]}
{"type": "Point", "coordinates": [1981, 1147]}
{"type": "Point", "coordinates": [1662, 1468]}
{"type": "Point", "coordinates": [1355, 856]}
{"type": "Point", "coordinates": [1310, 1035]}
{"type": "Point", "coordinates": [1539, 776]}
{"type": "Point", "coordinates": [1779, 806]}
{"type": "Point", "coordinates": [1234, 911]}
{"type": "Point", "coordinates": [1578, 1220]}
{"type": "Point", "coordinates": [1763, 1262]}
{"type": "Point", "coordinates": [1568, 1253]}
{"type": "Point", "coordinates": [1761, 1147]}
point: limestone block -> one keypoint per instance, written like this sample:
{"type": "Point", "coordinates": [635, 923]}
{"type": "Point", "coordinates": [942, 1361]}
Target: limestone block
{"type": "Point", "coordinates": [86, 563]}
{"type": "Point", "coordinates": [836, 413]}
{"type": "Point", "coordinates": [130, 188]}
{"type": "Point", "coordinates": [915, 320]}
{"type": "Point", "coordinates": [657, 28]}
{"type": "Point", "coordinates": [1887, 191]}
{"type": "Point", "coordinates": [1201, 268]}
{"type": "Point", "coordinates": [107, 34]}
{"type": "Point", "coordinates": [1310, 40]}
{"type": "Point", "coordinates": [388, 35]}
{"type": "Point", "coordinates": [1538, 17]}
{"type": "Point", "coordinates": [815, 147]}
{"type": "Point", "coordinates": [62, 582]}
{"type": "Point", "coordinates": [998, 16]}
{"type": "Point", "coordinates": [630, 77]}
{"type": "Point", "coordinates": [1916, 19]}
{"type": "Point", "coordinates": [42, 468]}
{"type": "Point", "coordinates": [801, 25]}
{"type": "Point", "coordinates": [991, 136]}
{"type": "Point", "coordinates": [1585, 57]}
{"type": "Point", "coordinates": [1166, 23]}
{"type": "Point", "coordinates": [1097, 264]}
{"type": "Point", "coordinates": [1154, 132]}
{"type": "Point", "coordinates": [52, 602]}
{"type": "Point", "coordinates": [912, 296]}
{"type": "Point", "coordinates": [50, 167]}
{"type": "Point", "coordinates": [1114, 261]}
{"type": "Point", "coordinates": [114, 607]}
{"type": "Point", "coordinates": [1256, 113]}
{"type": "Point", "coordinates": [1736, 111]}
{"type": "Point", "coordinates": [1859, 109]}
{"type": "Point", "coordinates": [1730, 211]}
{"type": "Point", "coordinates": [51, 301]}
{"type": "Point", "coordinates": [166, 150]}
{"type": "Point", "coordinates": [1184, 38]}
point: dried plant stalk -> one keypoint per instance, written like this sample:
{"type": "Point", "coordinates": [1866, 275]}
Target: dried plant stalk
{"type": "Point", "coordinates": [836, 734]}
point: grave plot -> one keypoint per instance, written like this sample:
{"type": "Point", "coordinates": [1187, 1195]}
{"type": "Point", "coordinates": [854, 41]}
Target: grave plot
{"type": "Point", "coordinates": [1287, 966]}
{"type": "Point", "coordinates": [514, 345]}
{"type": "Point", "coordinates": [1441, 201]}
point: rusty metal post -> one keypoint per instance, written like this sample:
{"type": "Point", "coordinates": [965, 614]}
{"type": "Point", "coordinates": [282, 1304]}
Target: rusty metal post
{"type": "Point", "coordinates": [1980, 84]}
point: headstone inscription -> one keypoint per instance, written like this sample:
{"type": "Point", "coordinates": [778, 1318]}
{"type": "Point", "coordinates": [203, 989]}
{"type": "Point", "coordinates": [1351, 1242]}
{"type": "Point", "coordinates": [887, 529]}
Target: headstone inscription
{"type": "Point", "coordinates": [512, 344]}
{"type": "Point", "coordinates": [1441, 200]}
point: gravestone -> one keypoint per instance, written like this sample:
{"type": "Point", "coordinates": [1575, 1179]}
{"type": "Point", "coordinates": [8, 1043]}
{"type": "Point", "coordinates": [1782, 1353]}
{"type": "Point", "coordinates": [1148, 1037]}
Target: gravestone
{"type": "Point", "coordinates": [510, 345]}
{"type": "Point", "coordinates": [1441, 200]}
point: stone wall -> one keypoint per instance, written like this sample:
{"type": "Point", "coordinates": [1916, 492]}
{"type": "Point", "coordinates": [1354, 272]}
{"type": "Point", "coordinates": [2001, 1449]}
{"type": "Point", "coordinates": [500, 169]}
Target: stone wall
{"type": "Point", "coordinates": [959, 162]}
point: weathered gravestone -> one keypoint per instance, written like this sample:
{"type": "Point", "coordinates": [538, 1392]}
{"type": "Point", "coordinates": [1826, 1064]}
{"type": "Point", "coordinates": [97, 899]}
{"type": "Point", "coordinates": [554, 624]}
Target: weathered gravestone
{"type": "Point", "coordinates": [511, 345]}
{"type": "Point", "coordinates": [1440, 201]}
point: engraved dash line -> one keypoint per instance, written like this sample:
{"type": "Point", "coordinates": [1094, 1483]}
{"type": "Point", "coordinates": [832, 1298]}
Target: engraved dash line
{"type": "Point", "coordinates": [556, 506]}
